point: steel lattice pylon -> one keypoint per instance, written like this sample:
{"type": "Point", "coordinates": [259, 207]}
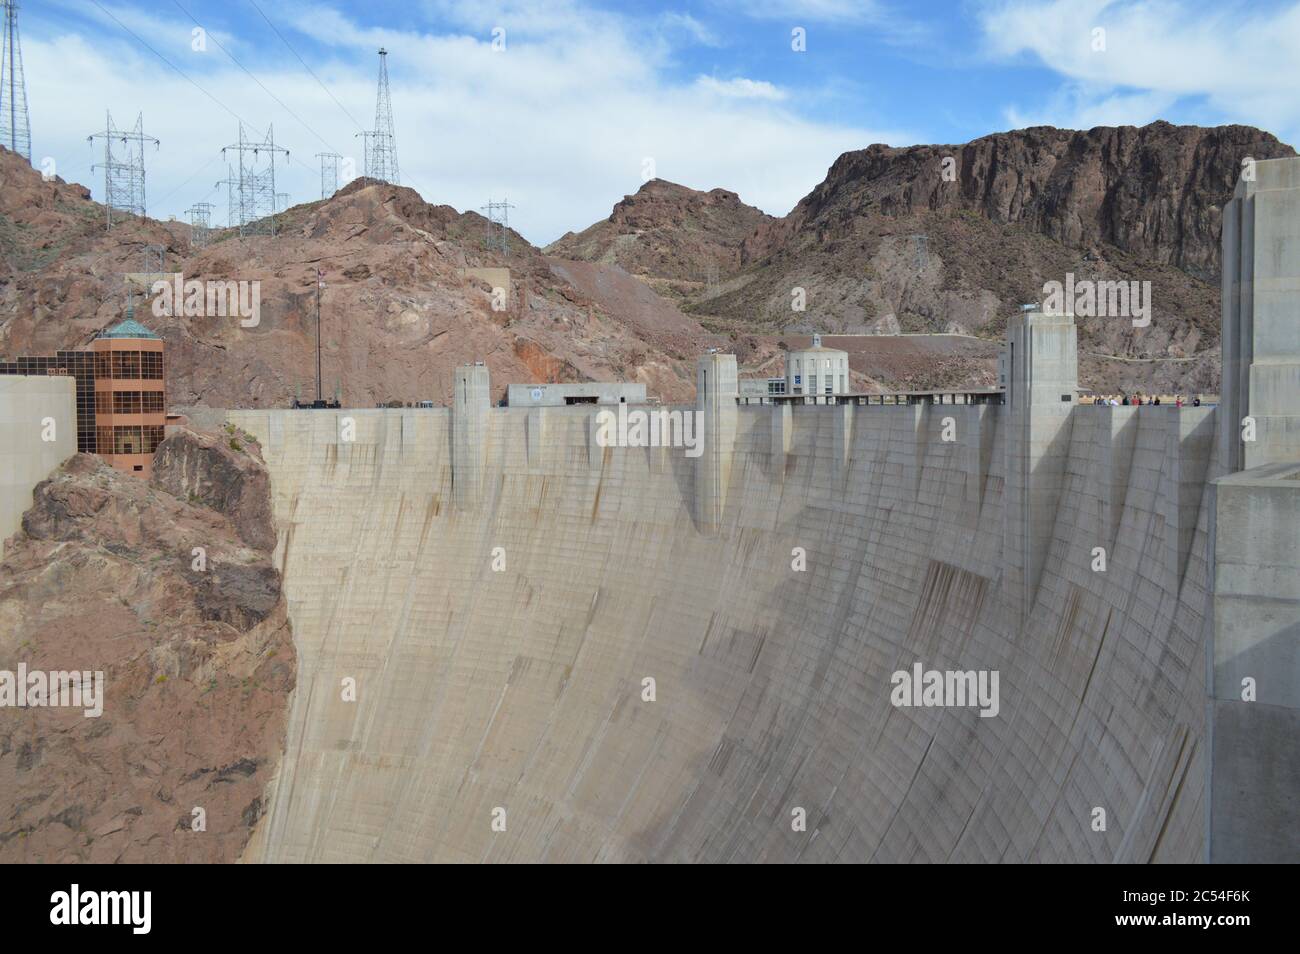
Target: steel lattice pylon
{"type": "Point", "coordinates": [15, 126]}
{"type": "Point", "coordinates": [200, 223]}
{"type": "Point", "coordinates": [253, 184]}
{"type": "Point", "coordinates": [329, 173]}
{"type": "Point", "coordinates": [123, 167]}
{"type": "Point", "coordinates": [498, 216]}
{"type": "Point", "coordinates": [380, 143]}
{"type": "Point", "coordinates": [229, 182]}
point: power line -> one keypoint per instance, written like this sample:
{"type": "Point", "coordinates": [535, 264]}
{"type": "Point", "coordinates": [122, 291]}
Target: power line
{"type": "Point", "coordinates": [184, 76]}
{"type": "Point", "coordinates": [212, 37]}
{"type": "Point", "coordinates": [198, 173]}
{"type": "Point", "coordinates": [304, 65]}
{"type": "Point", "coordinates": [201, 89]}
{"type": "Point", "coordinates": [364, 132]}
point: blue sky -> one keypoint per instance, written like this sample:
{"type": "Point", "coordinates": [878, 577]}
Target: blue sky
{"type": "Point", "coordinates": [565, 118]}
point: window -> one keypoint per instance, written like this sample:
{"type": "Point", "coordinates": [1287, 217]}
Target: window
{"type": "Point", "coordinates": [104, 402]}
{"type": "Point", "coordinates": [153, 436]}
{"type": "Point", "coordinates": [126, 402]}
{"type": "Point", "coordinates": [151, 364]}
{"type": "Point", "coordinates": [152, 402]}
{"type": "Point", "coordinates": [126, 364]}
{"type": "Point", "coordinates": [103, 364]}
{"type": "Point", "coordinates": [104, 440]}
{"type": "Point", "coordinates": [128, 440]}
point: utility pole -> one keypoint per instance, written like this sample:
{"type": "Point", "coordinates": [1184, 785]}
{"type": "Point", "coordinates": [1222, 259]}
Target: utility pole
{"type": "Point", "coordinates": [320, 284]}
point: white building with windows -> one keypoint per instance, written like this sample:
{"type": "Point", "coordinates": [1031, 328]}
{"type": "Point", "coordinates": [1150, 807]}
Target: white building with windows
{"type": "Point", "coordinates": [817, 370]}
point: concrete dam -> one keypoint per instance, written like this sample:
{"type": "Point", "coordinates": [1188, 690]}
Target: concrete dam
{"type": "Point", "coordinates": [521, 688]}
{"type": "Point", "coordinates": [517, 643]}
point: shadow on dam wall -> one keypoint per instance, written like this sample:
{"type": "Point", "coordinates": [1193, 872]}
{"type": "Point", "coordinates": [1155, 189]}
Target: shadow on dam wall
{"type": "Point", "coordinates": [522, 688]}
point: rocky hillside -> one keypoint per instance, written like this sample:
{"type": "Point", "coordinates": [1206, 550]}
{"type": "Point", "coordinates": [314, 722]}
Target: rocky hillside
{"type": "Point", "coordinates": [400, 307]}
{"type": "Point", "coordinates": [676, 239]}
{"type": "Point", "coordinates": [198, 658]}
{"type": "Point", "coordinates": [889, 243]}
{"type": "Point", "coordinates": [1154, 192]}
{"type": "Point", "coordinates": [923, 239]}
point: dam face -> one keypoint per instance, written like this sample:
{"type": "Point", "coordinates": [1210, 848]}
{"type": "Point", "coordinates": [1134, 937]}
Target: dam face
{"type": "Point", "coordinates": [500, 617]}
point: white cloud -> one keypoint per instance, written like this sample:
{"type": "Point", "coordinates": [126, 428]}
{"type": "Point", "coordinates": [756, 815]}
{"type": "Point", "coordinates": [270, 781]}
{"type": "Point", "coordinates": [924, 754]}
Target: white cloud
{"type": "Point", "coordinates": [815, 11]}
{"type": "Point", "coordinates": [691, 27]}
{"type": "Point", "coordinates": [1242, 61]}
{"type": "Point", "coordinates": [559, 123]}
{"type": "Point", "coordinates": [1081, 107]}
{"type": "Point", "coordinates": [740, 88]}
{"type": "Point", "coordinates": [891, 22]}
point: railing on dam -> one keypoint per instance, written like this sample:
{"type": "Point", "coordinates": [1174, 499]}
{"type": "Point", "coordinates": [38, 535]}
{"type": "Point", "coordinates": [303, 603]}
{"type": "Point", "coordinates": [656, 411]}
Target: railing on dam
{"type": "Point", "coordinates": [896, 398]}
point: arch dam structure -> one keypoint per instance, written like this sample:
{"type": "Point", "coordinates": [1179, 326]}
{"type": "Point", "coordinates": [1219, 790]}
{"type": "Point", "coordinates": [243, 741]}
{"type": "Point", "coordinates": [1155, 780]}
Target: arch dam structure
{"type": "Point", "coordinates": [569, 652]}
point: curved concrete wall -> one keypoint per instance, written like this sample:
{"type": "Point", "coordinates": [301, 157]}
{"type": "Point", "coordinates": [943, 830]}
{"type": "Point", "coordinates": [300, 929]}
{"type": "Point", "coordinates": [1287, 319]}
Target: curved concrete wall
{"type": "Point", "coordinates": [523, 689]}
{"type": "Point", "coordinates": [33, 407]}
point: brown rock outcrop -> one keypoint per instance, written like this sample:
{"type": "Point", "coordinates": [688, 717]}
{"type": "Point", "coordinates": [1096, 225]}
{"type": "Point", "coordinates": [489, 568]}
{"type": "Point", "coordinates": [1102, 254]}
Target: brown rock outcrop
{"type": "Point", "coordinates": [163, 587]}
{"type": "Point", "coordinates": [1154, 192]}
{"type": "Point", "coordinates": [670, 236]}
{"type": "Point", "coordinates": [232, 480]}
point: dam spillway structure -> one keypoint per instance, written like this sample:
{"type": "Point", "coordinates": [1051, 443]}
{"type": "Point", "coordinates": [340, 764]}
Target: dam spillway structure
{"type": "Point", "coordinates": [564, 651]}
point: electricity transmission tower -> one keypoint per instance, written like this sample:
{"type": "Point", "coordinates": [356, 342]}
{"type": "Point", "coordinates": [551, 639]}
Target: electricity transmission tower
{"type": "Point", "coordinates": [123, 167]}
{"type": "Point", "coordinates": [329, 173]}
{"type": "Point", "coordinates": [15, 127]}
{"type": "Point", "coordinates": [255, 195]}
{"type": "Point", "coordinates": [229, 182]}
{"type": "Point", "coordinates": [200, 214]}
{"type": "Point", "coordinates": [281, 202]}
{"type": "Point", "coordinates": [498, 216]}
{"type": "Point", "coordinates": [380, 143]}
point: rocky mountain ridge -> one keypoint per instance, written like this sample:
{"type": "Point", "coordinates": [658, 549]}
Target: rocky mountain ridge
{"type": "Point", "coordinates": [953, 238]}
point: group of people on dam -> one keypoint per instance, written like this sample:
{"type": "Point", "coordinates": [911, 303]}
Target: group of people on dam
{"type": "Point", "coordinates": [1125, 400]}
